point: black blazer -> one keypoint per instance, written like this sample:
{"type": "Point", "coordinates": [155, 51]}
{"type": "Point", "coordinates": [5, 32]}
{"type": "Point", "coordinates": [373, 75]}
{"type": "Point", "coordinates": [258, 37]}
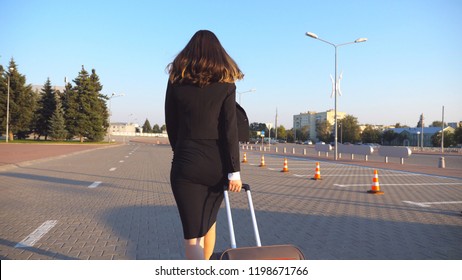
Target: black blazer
{"type": "Point", "coordinates": [192, 112]}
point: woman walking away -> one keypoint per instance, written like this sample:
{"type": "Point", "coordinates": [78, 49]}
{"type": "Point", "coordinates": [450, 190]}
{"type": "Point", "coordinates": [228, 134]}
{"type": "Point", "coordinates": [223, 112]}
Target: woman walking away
{"type": "Point", "coordinates": [200, 114]}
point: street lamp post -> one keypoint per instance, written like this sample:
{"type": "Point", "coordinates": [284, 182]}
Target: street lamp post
{"type": "Point", "coordinates": [126, 128]}
{"type": "Point", "coordinates": [442, 132]}
{"type": "Point", "coordinates": [422, 133]}
{"type": "Point", "coordinates": [240, 93]}
{"type": "Point", "coordinates": [442, 163]}
{"type": "Point", "coordinates": [7, 136]}
{"type": "Point", "coordinates": [418, 138]}
{"type": "Point", "coordinates": [276, 126]}
{"type": "Point", "coordinates": [113, 95]}
{"type": "Point", "coordinates": [359, 40]}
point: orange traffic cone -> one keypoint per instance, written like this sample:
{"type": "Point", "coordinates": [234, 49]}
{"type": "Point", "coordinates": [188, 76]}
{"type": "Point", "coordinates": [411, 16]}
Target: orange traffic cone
{"type": "Point", "coordinates": [285, 168]}
{"type": "Point", "coordinates": [317, 173]}
{"type": "Point", "coordinates": [375, 184]}
{"type": "Point", "coordinates": [262, 161]}
{"type": "Point", "coordinates": [244, 160]}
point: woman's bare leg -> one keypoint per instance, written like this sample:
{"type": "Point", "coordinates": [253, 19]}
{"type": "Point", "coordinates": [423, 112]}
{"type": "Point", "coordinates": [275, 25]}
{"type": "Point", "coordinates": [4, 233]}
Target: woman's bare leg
{"type": "Point", "coordinates": [194, 248]}
{"type": "Point", "coordinates": [209, 241]}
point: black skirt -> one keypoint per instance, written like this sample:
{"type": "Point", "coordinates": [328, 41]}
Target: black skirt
{"type": "Point", "coordinates": [197, 178]}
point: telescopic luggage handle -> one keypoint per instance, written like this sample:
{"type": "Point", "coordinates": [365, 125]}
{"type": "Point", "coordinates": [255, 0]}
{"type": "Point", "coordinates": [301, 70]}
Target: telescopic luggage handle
{"type": "Point", "coordinates": [246, 187]}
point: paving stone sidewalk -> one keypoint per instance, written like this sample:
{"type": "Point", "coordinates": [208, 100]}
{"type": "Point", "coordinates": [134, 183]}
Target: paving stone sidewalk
{"type": "Point", "coordinates": [131, 213]}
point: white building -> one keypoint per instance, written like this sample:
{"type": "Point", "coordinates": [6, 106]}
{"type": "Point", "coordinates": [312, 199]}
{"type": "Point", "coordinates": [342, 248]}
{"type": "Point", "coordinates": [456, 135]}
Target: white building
{"type": "Point", "coordinates": [38, 88]}
{"type": "Point", "coordinates": [119, 128]}
{"type": "Point", "coordinates": [310, 118]}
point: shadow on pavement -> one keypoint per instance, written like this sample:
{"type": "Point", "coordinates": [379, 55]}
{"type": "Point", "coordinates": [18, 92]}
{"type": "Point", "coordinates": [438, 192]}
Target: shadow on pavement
{"type": "Point", "coordinates": [43, 253]}
{"type": "Point", "coordinates": [57, 180]}
{"type": "Point", "coordinates": [154, 232]}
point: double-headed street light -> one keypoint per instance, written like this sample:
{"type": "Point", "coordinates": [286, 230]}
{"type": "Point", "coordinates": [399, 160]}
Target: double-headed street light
{"type": "Point", "coordinates": [113, 95]}
{"type": "Point", "coordinates": [8, 107]}
{"type": "Point", "coordinates": [359, 40]}
{"type": "Point", "coordinates": [240, 93]}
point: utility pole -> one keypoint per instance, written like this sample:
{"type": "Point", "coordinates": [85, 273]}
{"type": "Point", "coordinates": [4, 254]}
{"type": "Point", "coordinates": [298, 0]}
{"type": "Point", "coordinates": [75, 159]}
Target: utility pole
{"type": "Point", "coordinates": [276, 125]}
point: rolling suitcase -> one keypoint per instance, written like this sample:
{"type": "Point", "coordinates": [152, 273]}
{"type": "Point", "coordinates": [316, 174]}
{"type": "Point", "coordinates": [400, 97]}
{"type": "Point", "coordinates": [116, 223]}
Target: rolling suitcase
{"type": "Point", "coordinates": [275, 252]}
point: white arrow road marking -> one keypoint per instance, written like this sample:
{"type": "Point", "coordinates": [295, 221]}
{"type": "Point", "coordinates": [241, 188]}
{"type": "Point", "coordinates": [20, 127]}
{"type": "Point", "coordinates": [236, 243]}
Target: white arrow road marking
{"type": "Point", "coordinates": [37, 234]}
{"type": "Point", "coordinates": [94, 185]}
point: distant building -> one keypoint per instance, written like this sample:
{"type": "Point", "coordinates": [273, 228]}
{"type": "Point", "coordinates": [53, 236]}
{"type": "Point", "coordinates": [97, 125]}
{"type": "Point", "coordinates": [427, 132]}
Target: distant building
{"type": "Point", "coordinates": [413, 136]}
{"type": "Point", "coordinates": [38, 88]}
{"type": "Point", "coordinates": [373, 126]}
{"type": "Point", "coordinates": [455, 124]}
{"type": "Point", "coordinates": [132, 129]}
{"type": "Point", "coordinates": [310, 118]}
{"type": "Point", "coordinates": [119, 128]}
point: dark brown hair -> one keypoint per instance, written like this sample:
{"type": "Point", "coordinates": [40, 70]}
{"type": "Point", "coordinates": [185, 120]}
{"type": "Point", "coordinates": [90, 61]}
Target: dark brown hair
{"type": "Point", "coordinates": [203, 61]}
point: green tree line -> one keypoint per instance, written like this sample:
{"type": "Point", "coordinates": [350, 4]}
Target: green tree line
{"type": "Point", "coordinates": [349, 131]}
{"type": "Point", "coordinates": [147, 128]}
{"type": "Point", "coordinates": [79, 111]}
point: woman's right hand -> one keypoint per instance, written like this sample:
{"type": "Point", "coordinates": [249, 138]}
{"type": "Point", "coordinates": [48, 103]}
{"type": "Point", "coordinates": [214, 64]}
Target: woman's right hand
{"type": "Point", "coordinates": [235, 185]}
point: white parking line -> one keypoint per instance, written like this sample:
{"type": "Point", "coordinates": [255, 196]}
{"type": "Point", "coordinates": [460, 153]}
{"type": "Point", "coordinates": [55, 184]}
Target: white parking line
{"type": "Point", "coordinates": [288, 163]}
{"type": "Point", "coordinates": [289, 168]}
{"type": "Point", "coordinates": [359, 175]}
{"type": "Point", "coordinates": [428, 204]}
{"type": "Point", "coordinates": [412, 184]}
{"type": "Point", "coordinates": [94, 185]}
{"type": "Point", "coordinates": [312, 167]}
{"type": "Point", "coordinates": [37, 234]}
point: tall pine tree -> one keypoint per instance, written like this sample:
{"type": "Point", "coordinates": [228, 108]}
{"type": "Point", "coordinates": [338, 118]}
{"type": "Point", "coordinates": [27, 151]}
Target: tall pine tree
{"type": "Point", "coordinates": [46, 108]}
{"type": "Point", "coordinates": [100, 113]}
{"type": "Point", "coordinates": [22, 104]}
{"type": "Point", "coordinates": [156, 129]}
{"type": "Point", "coordinates": [3, 97]}
{"type": "Point", "coordinates": [86, 110]}
{"type": "Point", "coordinates": [147, 126]}
{"type": "Point", "coordinates": [71, 109]}
{"type": "Point", "coordinates": [57, 125]}
{"type": "Point", "coordinates": [82, 89]}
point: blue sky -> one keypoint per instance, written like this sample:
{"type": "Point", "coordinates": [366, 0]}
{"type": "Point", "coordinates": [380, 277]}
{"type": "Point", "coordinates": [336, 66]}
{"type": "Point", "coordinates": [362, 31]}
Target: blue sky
{"type": "Point", "coordinates": [411, 63]}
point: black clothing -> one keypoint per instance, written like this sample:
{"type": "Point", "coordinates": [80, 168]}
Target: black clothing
{"type": "Point", "coordinates": [242, 124]}
{"type": "Point", "coordinates": [202, 129]}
